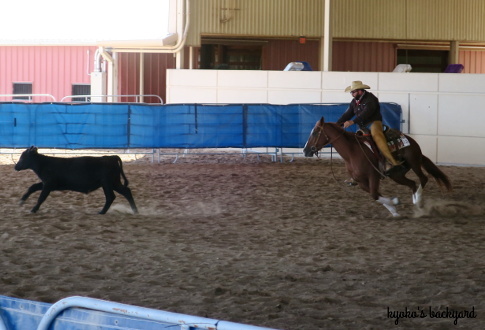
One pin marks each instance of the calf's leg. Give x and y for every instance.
(110, 197)
(126, 192)
(33, 188)
(43, 195)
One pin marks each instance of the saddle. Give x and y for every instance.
(396, 140)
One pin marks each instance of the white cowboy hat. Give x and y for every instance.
(357, 84)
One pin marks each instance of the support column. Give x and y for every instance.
(191, 57)
(142, 77)
(326, 42)
(454, 57)
(179, 59)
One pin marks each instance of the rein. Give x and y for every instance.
(330, 141)
(365, 154)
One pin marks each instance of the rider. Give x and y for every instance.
(366, 110)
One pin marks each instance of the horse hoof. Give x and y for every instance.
(395, 201)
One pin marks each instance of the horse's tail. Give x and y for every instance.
(437, 174)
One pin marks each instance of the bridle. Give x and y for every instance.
(321, 130)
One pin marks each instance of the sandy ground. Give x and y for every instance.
(283, 245)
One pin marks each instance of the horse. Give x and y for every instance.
(363, 164)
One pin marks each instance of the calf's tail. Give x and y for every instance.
(439, 176)
(122, 172)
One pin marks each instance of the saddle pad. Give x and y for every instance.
(399, 143)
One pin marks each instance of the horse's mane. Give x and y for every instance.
(339, 128)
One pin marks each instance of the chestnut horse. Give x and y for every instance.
(363, 165)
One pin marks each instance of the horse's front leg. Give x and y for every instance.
(389, 203)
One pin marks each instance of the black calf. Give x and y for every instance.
(81, 174)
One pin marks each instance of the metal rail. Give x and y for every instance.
(184, 321)
(30, 97)
(137, 96)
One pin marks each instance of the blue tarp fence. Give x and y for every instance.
(123, 125)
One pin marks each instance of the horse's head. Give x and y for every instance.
(317, 140)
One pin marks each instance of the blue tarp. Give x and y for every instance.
(121, 125)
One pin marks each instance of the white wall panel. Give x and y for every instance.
(461, 150)
(280, 96)
(242, 78)
(180, 94)
(196, 78)
(340, 80)
(409, 82)
(294, 79)
(462, 83)
(423, 114)
(335, 97)
(462, 115)
(242, 95)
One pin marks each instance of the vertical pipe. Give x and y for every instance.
(454, 52)
(191, 57)
(142, 77)
(114, 70)
(179, 60)
(326, 43)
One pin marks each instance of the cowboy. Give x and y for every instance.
(365, 110)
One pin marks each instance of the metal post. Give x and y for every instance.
(326, 43)
(142, 76)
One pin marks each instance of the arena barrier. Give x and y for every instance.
(188, 126)
(83, 313)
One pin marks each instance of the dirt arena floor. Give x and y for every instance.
(281, 245)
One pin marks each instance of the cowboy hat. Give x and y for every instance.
(357, 84)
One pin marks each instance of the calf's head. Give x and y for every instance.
(26, 159)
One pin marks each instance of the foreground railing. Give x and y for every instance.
(87, 313)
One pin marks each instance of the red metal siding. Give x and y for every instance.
(129, 75)
(473, 61)
(278, 53)
(50, 69)
(363, 56)
(155, 73)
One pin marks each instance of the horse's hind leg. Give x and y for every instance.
(418, 192)
(401, 179)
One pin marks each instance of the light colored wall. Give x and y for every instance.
(443, 112)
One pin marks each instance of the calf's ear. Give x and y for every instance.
(33, 149)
